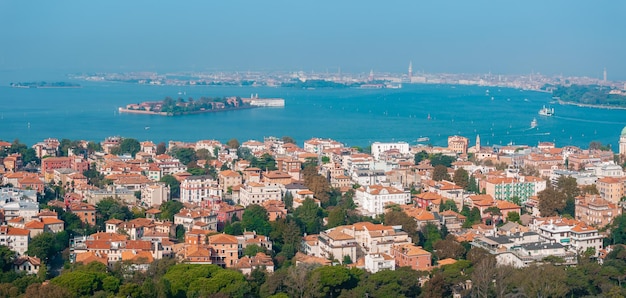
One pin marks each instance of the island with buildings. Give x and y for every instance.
(273, 217)
(181, 106)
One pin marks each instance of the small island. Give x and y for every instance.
(43, 84)
(181, 106)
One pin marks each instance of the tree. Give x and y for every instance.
(288, 200)
(42, 246)
(568, 186)
(473, 185)
(393, 218)
(461, 178)
(440, 172)
(185, 155)
(109, 208)
(429, 236)
(551, 202)
(419, 156)
(449, 248)
(310, 215)
(388, 283)
(329, 281)
(513, 217)
(288, 139)
(440, 159)
(169, 209)
(233, 144)
(7, 256)
(252, 249)
(255, 218)
(448, 205)
(173, 183)
(590, 190)
(130, 146)
(160, 148)
(38, 290)
(336, 217)
(318, 184)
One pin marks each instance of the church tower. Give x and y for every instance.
(477, 143)
(410, 69)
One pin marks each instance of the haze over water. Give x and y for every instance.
(356, 117)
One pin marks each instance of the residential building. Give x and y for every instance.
(259, 261)
(611, 189)
(378, 148)
(155, 194)
(86, 212)
(226, 248)
(375, 262)
(228, 178)
(26, 264)
(412, 256)
(373, 199)
(257, 193)
(595, 211)
(196, 189)
(15, 238)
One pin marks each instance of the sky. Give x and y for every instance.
(573, 38)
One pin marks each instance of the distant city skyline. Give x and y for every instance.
(573, 38)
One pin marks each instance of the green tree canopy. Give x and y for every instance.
(169, 209)
(131, 146)
(255, 218)
(551, 202)
(185, 155)
(461, 178)
(440, 172)
(310, 216)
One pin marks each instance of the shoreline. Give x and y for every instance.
(584, 105)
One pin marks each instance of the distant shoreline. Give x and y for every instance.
(584, 105)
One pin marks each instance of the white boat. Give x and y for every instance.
(533, 123)
(423, 139)
(546, 111)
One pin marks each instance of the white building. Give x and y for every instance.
(573, 234)
(196, 189)
(378, 148)
(257, 193)
(379, 261)
(372, 199)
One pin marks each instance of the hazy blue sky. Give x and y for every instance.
(552, 37)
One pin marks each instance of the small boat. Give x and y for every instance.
(428, 116)
(533, 123)
(147, 127)
(423, 139)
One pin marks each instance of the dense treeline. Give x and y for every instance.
(592, 94)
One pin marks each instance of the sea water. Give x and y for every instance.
(355, 117)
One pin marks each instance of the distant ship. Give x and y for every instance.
(533, 123)
(546, 111)
(423, 139)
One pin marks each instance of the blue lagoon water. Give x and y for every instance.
(352, 116)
